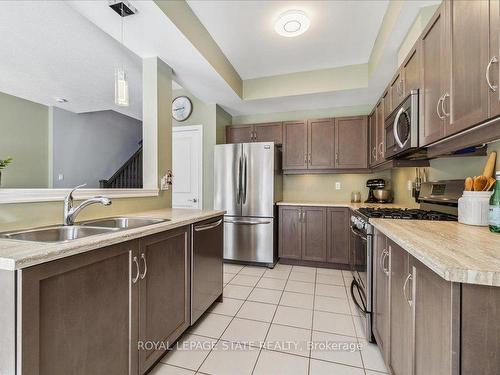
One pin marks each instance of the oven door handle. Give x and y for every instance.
(354, 283)
(357, 233)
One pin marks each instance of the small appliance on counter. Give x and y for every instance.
(377, 193)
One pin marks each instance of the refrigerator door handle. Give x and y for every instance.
(245, 176)
(239, 188)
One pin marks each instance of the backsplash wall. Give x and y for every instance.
(321, 187)
(441, 169)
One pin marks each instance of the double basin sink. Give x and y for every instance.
(64, 233)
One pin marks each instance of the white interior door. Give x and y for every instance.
(187, 158)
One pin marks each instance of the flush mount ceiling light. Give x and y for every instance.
(60, 100)
(292, 23)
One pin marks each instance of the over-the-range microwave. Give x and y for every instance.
(401, 128)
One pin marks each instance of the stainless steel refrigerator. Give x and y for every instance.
(247, 184)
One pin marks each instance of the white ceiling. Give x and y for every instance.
(341, 33)
(49, 50)
(74, 43)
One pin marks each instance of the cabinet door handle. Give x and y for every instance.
(305, 158)
(493, 60)
(437, 108)
(381, 261)
(408, 278)
(386, 269)
(143, 257)
(381, 148)
(374, 152)
(442, 105)
(134, 279)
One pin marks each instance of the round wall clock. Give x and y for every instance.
(181, 108)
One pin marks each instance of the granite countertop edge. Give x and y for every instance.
(16, 254)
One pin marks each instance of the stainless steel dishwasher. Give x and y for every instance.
(206, 265)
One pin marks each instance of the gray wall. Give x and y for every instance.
(89, 147)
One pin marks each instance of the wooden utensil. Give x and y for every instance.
(491, 183)
(480, 182)
(489, 168)
(469, 184)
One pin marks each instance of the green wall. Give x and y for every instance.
(24, 136)
(203, 114)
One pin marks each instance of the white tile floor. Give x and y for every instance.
(266, 325)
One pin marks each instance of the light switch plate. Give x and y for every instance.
(60, 177)
(338, 186)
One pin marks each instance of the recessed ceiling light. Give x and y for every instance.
(292, 23)
(60, 100)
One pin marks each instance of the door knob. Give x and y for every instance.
(194, 200)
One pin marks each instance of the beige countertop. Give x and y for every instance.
(16, 254)
(457, 252)
(354, 206)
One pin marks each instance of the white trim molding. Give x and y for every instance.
(56, 195)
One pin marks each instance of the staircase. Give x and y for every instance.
(129, 176)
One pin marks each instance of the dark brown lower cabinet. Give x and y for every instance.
(382, 294)
(337, 224)
(436, 321)
(314, 234)
(290, 232)
(108, 311)
(400, 355)
(420, 332)
(164, 293)
(79, 314)
(480, 345)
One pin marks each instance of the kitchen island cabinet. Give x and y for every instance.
(127, 302)
(107, 304)
(436, 326)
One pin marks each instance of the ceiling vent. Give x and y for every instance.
(123, 8)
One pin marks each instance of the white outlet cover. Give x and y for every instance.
(60, 177)
(338, 186)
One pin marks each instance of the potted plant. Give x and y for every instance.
(3, 164)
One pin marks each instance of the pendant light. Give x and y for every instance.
(121, 81)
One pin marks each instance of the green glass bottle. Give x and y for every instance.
(494, 214)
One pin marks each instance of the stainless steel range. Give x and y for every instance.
(438, 201)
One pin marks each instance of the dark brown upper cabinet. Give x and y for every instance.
(466, 100)
(411, 71)
(492, 70)
(351, 135)
(239, 134)
(321, 144)
(326, 144)
(266, 132)
(381, 115)
(372, 130)
(295, 154)
(433, 78)
(397, 89)
(337, 230)
(269, 132)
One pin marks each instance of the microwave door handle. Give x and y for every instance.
(395, 128)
